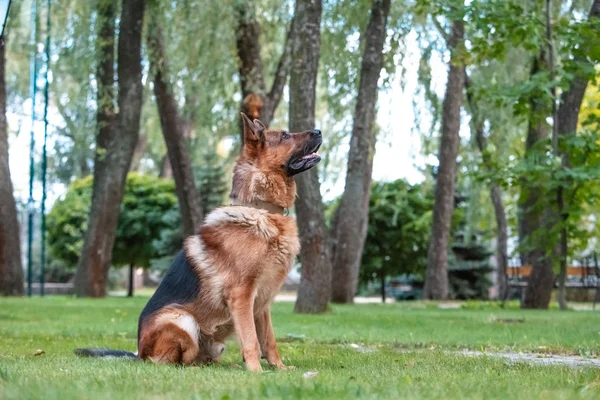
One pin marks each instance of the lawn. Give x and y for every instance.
(367, 351)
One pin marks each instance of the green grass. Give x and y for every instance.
(407, 357)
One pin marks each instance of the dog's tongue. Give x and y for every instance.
(309, 156)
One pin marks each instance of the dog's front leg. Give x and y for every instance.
(266, 337)
(241, 306)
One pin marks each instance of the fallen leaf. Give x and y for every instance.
(362, 349)
(310, 374)
(296, 336)
(39, 352)
(410, 363)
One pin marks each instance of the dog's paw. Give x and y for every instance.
(282, 367)
(254, 366)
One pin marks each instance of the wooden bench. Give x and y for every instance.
(584, 276)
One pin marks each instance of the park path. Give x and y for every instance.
(528, 358)
(537, 358)
(288, 297)
(509, 357)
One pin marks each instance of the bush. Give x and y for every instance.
(146, 213)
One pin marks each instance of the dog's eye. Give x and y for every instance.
(285, 136)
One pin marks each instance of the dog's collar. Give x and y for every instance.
(259, 205)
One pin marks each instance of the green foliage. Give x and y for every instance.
(168, 242)
(580, 182)
(398, 231)
(210, 181)
(68, 221)
(146, 211)
(144, 215)
(589, 115)
(468, 271)
(74, 43)
(502, 40)
(398, 239)
(502, 37)
(340, 58)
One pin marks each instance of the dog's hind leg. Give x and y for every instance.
(266, 338)
(171, 338)
(241, 306)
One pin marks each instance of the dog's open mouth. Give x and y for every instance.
(305, 160)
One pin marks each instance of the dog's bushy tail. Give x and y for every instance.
(105, 353)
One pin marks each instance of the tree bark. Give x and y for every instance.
(166, 171)
(382, 277)
(353, 214)
(115, 144)
(138, 153)
(174, 129)
(251, 66)
(131, 280)
(568, 115)
(436, 280)
(477, 125)
(502, 239)
(315, 284)
(11, 269)
(534, 214)
(248, 48)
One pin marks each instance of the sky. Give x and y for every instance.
(398, 150)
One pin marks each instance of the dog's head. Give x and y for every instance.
(269, 160)
(210, 350)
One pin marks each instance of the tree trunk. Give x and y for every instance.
(131, 282)
(564, 249)
(257, 103)
(173, 130)
(502, 239)
(382, 277)
(436, 280)
(166, 172)
(251, 65)
(315, 284)
(477, 125)
(115, 144)
(568, 115)
(147, 279)
(138, 153)
(534, 215)
(248, 48)
(353, 214)
(11, 269)
(281, 76)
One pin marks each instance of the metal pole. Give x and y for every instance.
(4, 24)
(45, 156)
(33, 91)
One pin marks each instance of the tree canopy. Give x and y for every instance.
(145, 215)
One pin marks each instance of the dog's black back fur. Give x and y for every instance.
(179, 286)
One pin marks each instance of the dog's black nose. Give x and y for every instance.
(316, 132)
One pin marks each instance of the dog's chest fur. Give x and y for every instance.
(240, 247)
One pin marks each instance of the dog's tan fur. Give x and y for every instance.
(242, 255)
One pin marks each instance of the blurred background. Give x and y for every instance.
(461, 142)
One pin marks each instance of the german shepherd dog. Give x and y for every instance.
(225, 278)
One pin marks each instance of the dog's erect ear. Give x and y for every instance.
(253, 131)
(259, 127)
